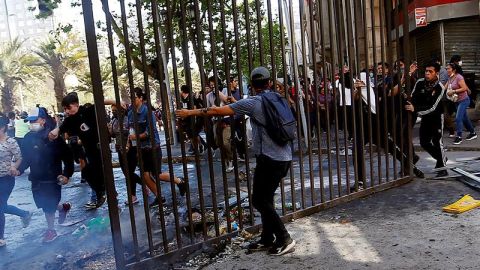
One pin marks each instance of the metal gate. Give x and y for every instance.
(314, 49)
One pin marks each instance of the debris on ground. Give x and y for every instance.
(465, 204)
(94, 225)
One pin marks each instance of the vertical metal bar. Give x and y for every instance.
(123, 156)
(270, 33)
(217, 102)
(339, 21)
(138, 6)
(100, 114)
(232, 123)
(258, 7)
(285, 85)
(299, 92)
(136, 127)
(349, 56)
(250, 68)
(397, 42)
(240, 88)
(313, 42)
(200, 60)
(369, 98)
(188, 79)
(163, 90)
(377, 104)
(383, 14)
(406, 49)
(308, 99)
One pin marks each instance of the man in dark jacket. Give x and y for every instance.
(45, 159)
(81, 122)
(426, 102)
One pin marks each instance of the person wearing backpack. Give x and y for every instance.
(273, 128)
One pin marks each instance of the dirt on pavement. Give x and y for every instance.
(402, 228)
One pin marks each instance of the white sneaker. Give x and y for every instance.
(229, 167)
(3, 242)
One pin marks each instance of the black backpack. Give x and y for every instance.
(280, 122)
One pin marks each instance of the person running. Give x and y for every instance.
(81, 121)
(426, 99)
(45, 159)
(127, 152)
(10, 158)
(457, 89)
(273, 162)
(142, 140)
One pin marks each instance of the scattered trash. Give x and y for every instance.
(288, 206)
(466, 203)
(94, 225)
(232, 202)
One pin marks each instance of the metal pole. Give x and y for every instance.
(100, 114)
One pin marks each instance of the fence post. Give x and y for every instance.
(100, 114)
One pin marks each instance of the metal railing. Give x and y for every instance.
(296, 41)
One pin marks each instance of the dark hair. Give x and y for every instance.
(4, 121)
(69, 99)
(455, 58)
(383, 64)
(261, 84)
(436, 59)
(435, 65)
(11, 115)
(139, 93)
(455, 67)
(184, 89)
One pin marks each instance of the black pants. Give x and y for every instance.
(94, 172)
(394, 147)
(431, 132)
(266, 180)
(239, 138)
(131, 166)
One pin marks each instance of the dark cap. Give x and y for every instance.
(260, 74)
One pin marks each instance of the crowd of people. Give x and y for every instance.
(376, 98)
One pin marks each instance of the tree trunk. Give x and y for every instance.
(8, 100)
(124, 94)
(59, 88)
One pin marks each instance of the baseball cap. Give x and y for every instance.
(259, 74)
(35, 113)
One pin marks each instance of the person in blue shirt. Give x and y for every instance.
(138, 111)
(273, 162)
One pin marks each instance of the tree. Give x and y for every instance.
(59, 54)
(16, 66)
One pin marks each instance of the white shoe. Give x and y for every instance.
(229, 167)
(3, 243)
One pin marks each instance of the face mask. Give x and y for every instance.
(35, 127)
(460, 63)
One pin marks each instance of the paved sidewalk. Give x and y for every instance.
(402, 228)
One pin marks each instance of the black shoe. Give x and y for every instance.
(259, 246)
(418, 173)
(155, 202)
(416, 158)
(457, 141)
(472, 136)
(442, 173)
(100, 201)
(278, 250)
(182, 187)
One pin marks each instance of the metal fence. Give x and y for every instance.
(306, 40)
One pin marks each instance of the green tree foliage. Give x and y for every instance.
(61, 54)
(16, 66)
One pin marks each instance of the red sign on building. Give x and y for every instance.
(421, 17)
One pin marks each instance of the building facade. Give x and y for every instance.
(17, 19)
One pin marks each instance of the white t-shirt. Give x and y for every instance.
(348, 94)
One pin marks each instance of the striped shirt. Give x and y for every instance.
(262, 143)
(9, 152)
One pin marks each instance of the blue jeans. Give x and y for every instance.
(6, 186)
(462, 117)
